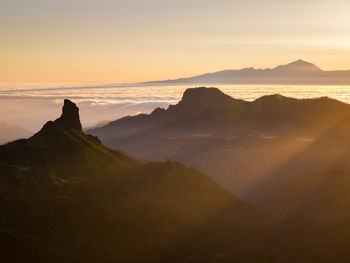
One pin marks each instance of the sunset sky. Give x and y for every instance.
(129, 41)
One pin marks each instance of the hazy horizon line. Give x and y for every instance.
(104, 84)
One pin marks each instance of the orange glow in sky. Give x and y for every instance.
(130, 41)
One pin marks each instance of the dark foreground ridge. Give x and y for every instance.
(64, 197)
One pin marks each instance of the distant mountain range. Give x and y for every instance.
(248, 147)
(298, 72)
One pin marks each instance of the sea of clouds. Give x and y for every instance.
(31, 106)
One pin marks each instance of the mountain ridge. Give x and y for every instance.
(214, 132)
(296, 72)
(199, 101)
(65, 197)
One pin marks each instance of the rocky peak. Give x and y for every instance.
(204, 96)
(299, 65)
(69, 120)
(70, 115)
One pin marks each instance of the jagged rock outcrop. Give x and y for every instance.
(59, 142)
(69, 120)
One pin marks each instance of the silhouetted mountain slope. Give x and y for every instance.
(248, 147)
(208, 109)
(322, 194)
(64, 197)
(322, 197)
(10, 132)
(297, 72)
(61, 142)
(329, 151)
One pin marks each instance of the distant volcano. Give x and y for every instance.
(299, 65)
(297, 72)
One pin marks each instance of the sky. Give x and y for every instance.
(105, 41)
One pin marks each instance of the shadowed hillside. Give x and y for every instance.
(248, 147)
(322, 197)
(321, 191)
(64, 197)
